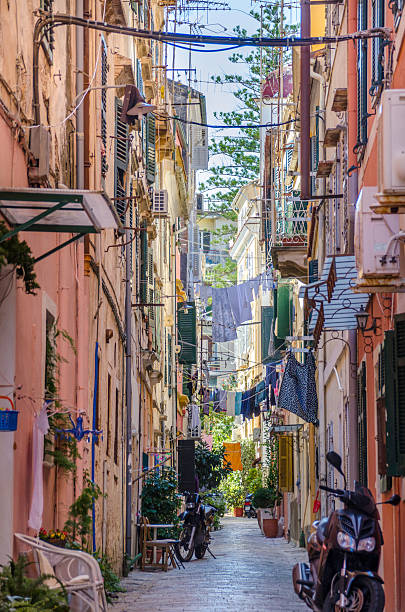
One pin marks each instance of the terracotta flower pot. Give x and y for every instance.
(270, 527)
(238, 512)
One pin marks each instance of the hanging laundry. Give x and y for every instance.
(261, 394)
(298, 389)
(194, 422)
(233, 455)
(40, 429)
(206, 401)
(230, 403)
(238, 403)
(223, 323)
(221, 400)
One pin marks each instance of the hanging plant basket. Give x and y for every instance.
(8, 418)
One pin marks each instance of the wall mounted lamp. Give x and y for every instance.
(362, 318)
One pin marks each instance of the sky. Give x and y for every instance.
(221, 21)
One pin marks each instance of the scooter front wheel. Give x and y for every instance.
(184, 548)
(367, 595)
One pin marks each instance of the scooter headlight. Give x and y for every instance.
(366, 544)
(346, 541)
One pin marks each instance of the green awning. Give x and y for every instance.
(56, 210)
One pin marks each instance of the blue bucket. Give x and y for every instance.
(8, 420)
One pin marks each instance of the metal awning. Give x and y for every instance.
(286, 428)
(57, 210)
(338, 299)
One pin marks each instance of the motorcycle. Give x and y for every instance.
(248, 508)
(195, 535)
(344, 554)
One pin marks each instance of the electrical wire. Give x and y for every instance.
(223, 127)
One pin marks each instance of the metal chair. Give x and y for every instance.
(78, 571)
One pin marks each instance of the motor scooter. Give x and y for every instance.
(248, 508)
(344, 554)
(195, 535)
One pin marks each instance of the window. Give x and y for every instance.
(108, 415)
(121, 156)
(394, 364)
(285, 463)
(362, 78)
(378, 45)
(104, 70)
(48, 37)
(362, 422)
(116, 428)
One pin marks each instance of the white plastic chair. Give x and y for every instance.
(78, 571)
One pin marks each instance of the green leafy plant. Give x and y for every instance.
(112, 582)
(79, 523)
(160, 500)
(215, 498)
(16, 252)
(266, 498)
(19, 592)
(64, 452)
(210, 466)
(220, 426)
(232, 489)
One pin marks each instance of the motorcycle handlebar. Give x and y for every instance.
(337, 492)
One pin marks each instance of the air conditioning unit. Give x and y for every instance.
(199, 150)
(160, 203)
(377, 251)
(391, 151)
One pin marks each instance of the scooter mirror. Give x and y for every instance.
(335, 460)
(394, 500)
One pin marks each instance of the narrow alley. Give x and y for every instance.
(250, 572)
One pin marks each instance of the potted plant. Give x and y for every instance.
(232, 488)
(265, 500)
(54, 536)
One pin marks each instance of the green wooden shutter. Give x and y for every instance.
(121, 156)
(313, 271)
(362, 422)
(143, 293)
(362, 76)
(150, 149)
(267, 321)
(187, 333)
(394, 347)
(284, 310)
(285, 464)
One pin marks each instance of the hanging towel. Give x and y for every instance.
(298, 389)
(40, 429)
(260, 393)
(222, 401)
(238, 403)
(206, 401)
(223, 324)
(230, 403)
(233, 455)
(246, 298)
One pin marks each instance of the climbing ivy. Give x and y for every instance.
(16, 252)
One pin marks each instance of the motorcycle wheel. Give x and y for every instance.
(367, 595)
(200, 551)
(183, 550)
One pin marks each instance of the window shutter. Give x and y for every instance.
(284, 311)
(313, 269)
(362, 76)
(285, 464)
(362, 423)
(121, 155)
(144, 265)
(266, 325)
(395, 397)
(187, 333)
(150, 149)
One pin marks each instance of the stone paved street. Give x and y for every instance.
(251, 573)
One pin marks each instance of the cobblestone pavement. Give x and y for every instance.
(251, 573)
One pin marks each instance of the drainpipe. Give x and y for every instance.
(128, 402)
(305, 102)
(80, 110)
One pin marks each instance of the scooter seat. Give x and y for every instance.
(321, 530)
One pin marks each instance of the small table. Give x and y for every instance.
(155, 528)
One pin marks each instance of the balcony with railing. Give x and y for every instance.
(288, 237)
